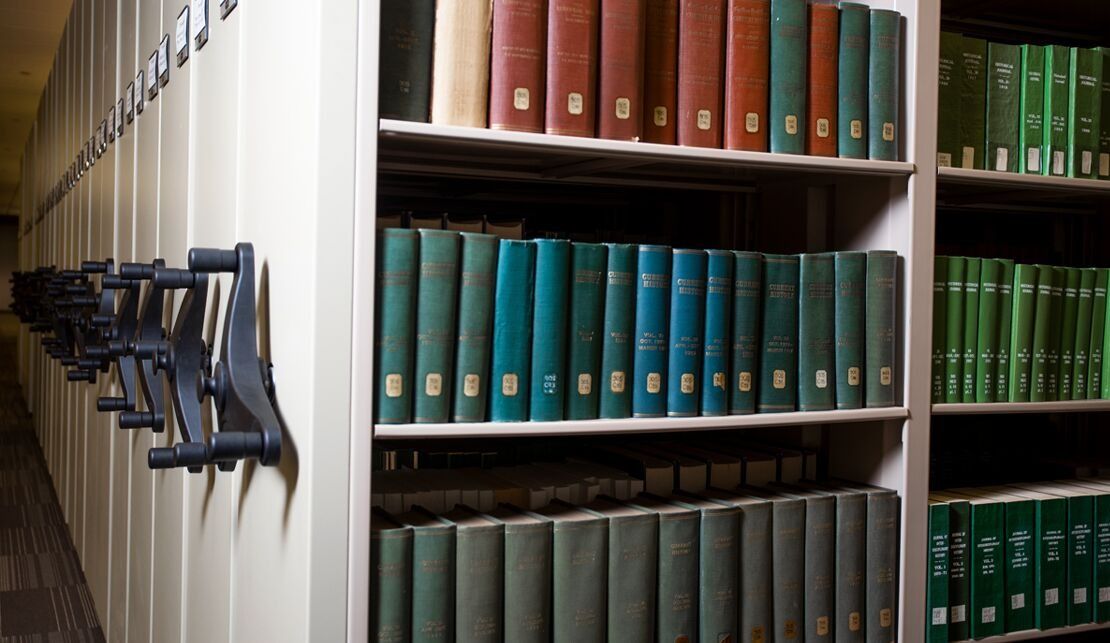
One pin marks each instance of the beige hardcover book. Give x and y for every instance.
(725, 469)
(657, 474)
(425, 221)
(505, 228)
(460, 62)
(463, 223)
(692, 473)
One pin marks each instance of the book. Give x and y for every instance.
(478, 264)
(955, 300)
(391, 580)
(436, 294)
(701, 33)
(460, 62)
(1084, 103)
(851, 561)
(959, 566)
(1059, 282)
(1021, 335)
(511, 362)
(973, 103)
(816, 333)
(1042, 332)
(788, 562)
(633, 543)
(615, 398)
(884, 61)
(850, 270)
(882, 563)
(518, 59)
(572, 42)
(687, 325)
(653, 296)
(852, 69)
(1020, 556)
(621, 73)
(1080, 353)
(1098, 335)
(987, 339)
(718, 567)
(746, 300)
(479, 574)
(406, 59)
(971, 327)
(587, 302)
(527, 557)
(1003, 106)
(777, 388)
(821, 88)
(936, 591)
(1099, 489)
(549, 326)
(1057, 82)
(1050, 548)
(820, 562)
(1104, 123)
(660, 71)
(717, 336)
(788, 76)
(949, 78)
(747, 74)
(678, 561)
(1005, 327)
(580, 554)
(879, 321)
(1031, 132)
(398, 258)
(433, 575)
(940, 298)
(987, 559)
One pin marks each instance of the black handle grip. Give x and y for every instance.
(101, 320)
(83, 300)
(89, 363)
(234, 445)
(111, 404)
(97, 351)
(114, 282)
(212, 260)
(78, 376)
(69, 360)
(76, 289)
(136, 270)
(94, 267)
(173, 278)
(135, 419)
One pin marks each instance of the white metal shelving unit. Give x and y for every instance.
(1000, 408)
(1030, 635)
(1059, 185)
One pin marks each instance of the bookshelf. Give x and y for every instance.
(995, 408)
(1031, 635)
(1045, 186)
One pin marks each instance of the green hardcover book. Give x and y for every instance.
(479, 263)
(1032, 109)
(850, 280)
(1003, 106)
(1021, 332)
(616, 349)
(879, 319)
(404, 79)
(1084, 103)
(1042, 332)
(1056, 65)
(549, 326)
(527, 575)
(820, 561)
(971, 328)
(789, 36)
(433, 575)
(851, 562)
(973, 103)
(436, 293)
(719, 566)
(1059, 280)
(1104, 122)
(1005, 325)
(633, 543)
(987, 339)
(788, 563)
(940, 298)
(948, 99)
(1081, 358)
(587, 304)
(884, 62)
(882, 565)
(816, 332)
(936, 592)
(580, 555)
(855, 21)
(398, 254)
(987, 567)
(1100, 490)
(778, 364)
(1068, 324)
(955, 300)
(1098, 334)
(479, 575)
(1050, 543)
(677, 592)
(1018, 573)
(746, 302)
(1080, 549)
(391, 578)
(510, 365)
(959, 568)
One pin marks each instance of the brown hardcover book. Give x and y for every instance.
(571, 67)
(621, 83)
(701, 35)
(747, 71)
(660, 70)
(516, 86)
(821, 96)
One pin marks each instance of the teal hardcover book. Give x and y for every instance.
(479, 265)
(396, 309)
(527, 616)
(436, 295)
(549, 328)
(880, 371)
(687, 325)
(653, 297)
(855, 39)
(789, 38)
(479, 575)
(718, 311)
(512, 331)
(746, 301)
(587, 302)
(615, 397)
(816, 331)
(433, 576)
(778, 369)
(884, 65)
(390, 578)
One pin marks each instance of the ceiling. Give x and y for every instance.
(29, 35)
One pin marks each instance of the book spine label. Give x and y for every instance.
(821, 98)
(986, 351)
(1098, 334)
(820, 569)
(1081, 355)
(677, 605)
(653, 296)
(460, 62)
(436, 295)
(1104, 123)
(1032, 109)
(1021, 332)
(718, 311)
(879, 373)
(528, 583)
(587, 301)
(987, 588)
(973, 103)
(851, 567)
(746, 297)
(571, 67)
(936, 592)
(1056, 322)
(1056, 66)
(1102, 557)
(756, 555)
(1067, 333)
(404, 80)
(884, 72)
(788, 76)
(1051, 573)
(701, 33)
(778, 364)
(1042, 330)
(621, 81)
(687, 324)
(971, 327)
(1084, 102)
(398, 256)
(660, 71)
(852, 70)
(1020, 557)
(517, 61)
(788, 563)
(433, 584)
(580, 555)
(478, 265)
(479, 581)
(719, 561)
(1003, 106)
(1005, 326)
(747, 69)
(633, 544)
(391, 585)
(959, 567)
(850, 277)
(511, 365)
(882, 567)
(616, 350)
(940, 292)
(816, 332)
(954, 328)
(549, 338)
(1080, 559)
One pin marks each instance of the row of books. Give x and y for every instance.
(472, 328)
(1024, 108)
(781, 75)
(1018, 557)
(1006, 332)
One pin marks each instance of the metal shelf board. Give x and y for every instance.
(999, 408)
(1029, 635)
(1012, 181)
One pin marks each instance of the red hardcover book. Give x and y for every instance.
(660, 70)
(701, 35)
(516, 84)
(571, 67)
(747, 72)
(621, 76)
(821, 96)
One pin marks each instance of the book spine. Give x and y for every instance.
(718, 311)
(436, 294)
(1080, 559)
(959, 568)
(517, 61)
(478, 266)
(1068, 333)
(390, 585)
(1042, 332)
(1018, 573)
(1081, 355)
(816, 333)
(1098, 334)
(778, 364)
(821, 97)
(788, 76)
(1051, 573)
(460, 62)
(1084, 102)
(433, 584)
(621, 77)
(528, 583)
(788, 563)
(971, 327)
(1032, 109)
(406, 59)
(949, 75)
(879, 319)
(940, 292)
(1003, 106)
(850, 270)
(398, 256)
(571, 67)
(1056, 330)
(851, 567)
(719, 566)
(1005, 327)
(852, 69)
(884, 71)
(660, 71)
(954, 328)
(677, 606)
(756, 555)
(987, 551)
(987, 339)
(936, 592)
(747, 72)
(1021, 333)
(580, 554)
(633, 544)
(549, 339)
(701, 33)
(512, 331)
(479, 581)
(653, 285)
(1104, 123)
(820, 569)
(882, 567)
(687, 323)
(746, 298)
(973, 103)
(616, 350)
(1057, 74)
(1101, 591)
(587, 301)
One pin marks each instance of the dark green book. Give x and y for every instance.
(479, 574)
(1021, 332)
(955, 300)
(719, 566)
(1020, 556)
(851, 561)
(959, 567)
(777, 387)
(1003, 106)
(549, 330)
(1059, 280)
(677, 592)
(390, 578)
(510, 365)
(1005, 325)
(986, 342)
(1050, 544)
(1068, 324)
(788, 562)
(1032, 109)
(527, 575)
(746, 303)
(1104, 123)
(717, 335)
(405, 70)
(478, 269)
(1098, 335)
(850, 279)
(433, 575)
(398, 254)
(852, 66)
(883, 511)
(1080, 549)
(616, 347)
(940, 298)
(971, 327)
(587, 304)
(816, 332)
(1042, 333)
(789, 40)
(936, 592)
(1084, 103)
(1100, 490)
(580, 555)
(633, 552)
(436, 295)
(973, 103)
(884, 62)
(1057, 61)
(820, 561)
(987, 567)
(948, 99)
(879, 319)
(1081, 353)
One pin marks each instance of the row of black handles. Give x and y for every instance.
(89, 331)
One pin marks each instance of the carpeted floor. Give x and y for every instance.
(43, 594)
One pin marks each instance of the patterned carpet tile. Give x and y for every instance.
(51, 569)
(46, 609)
